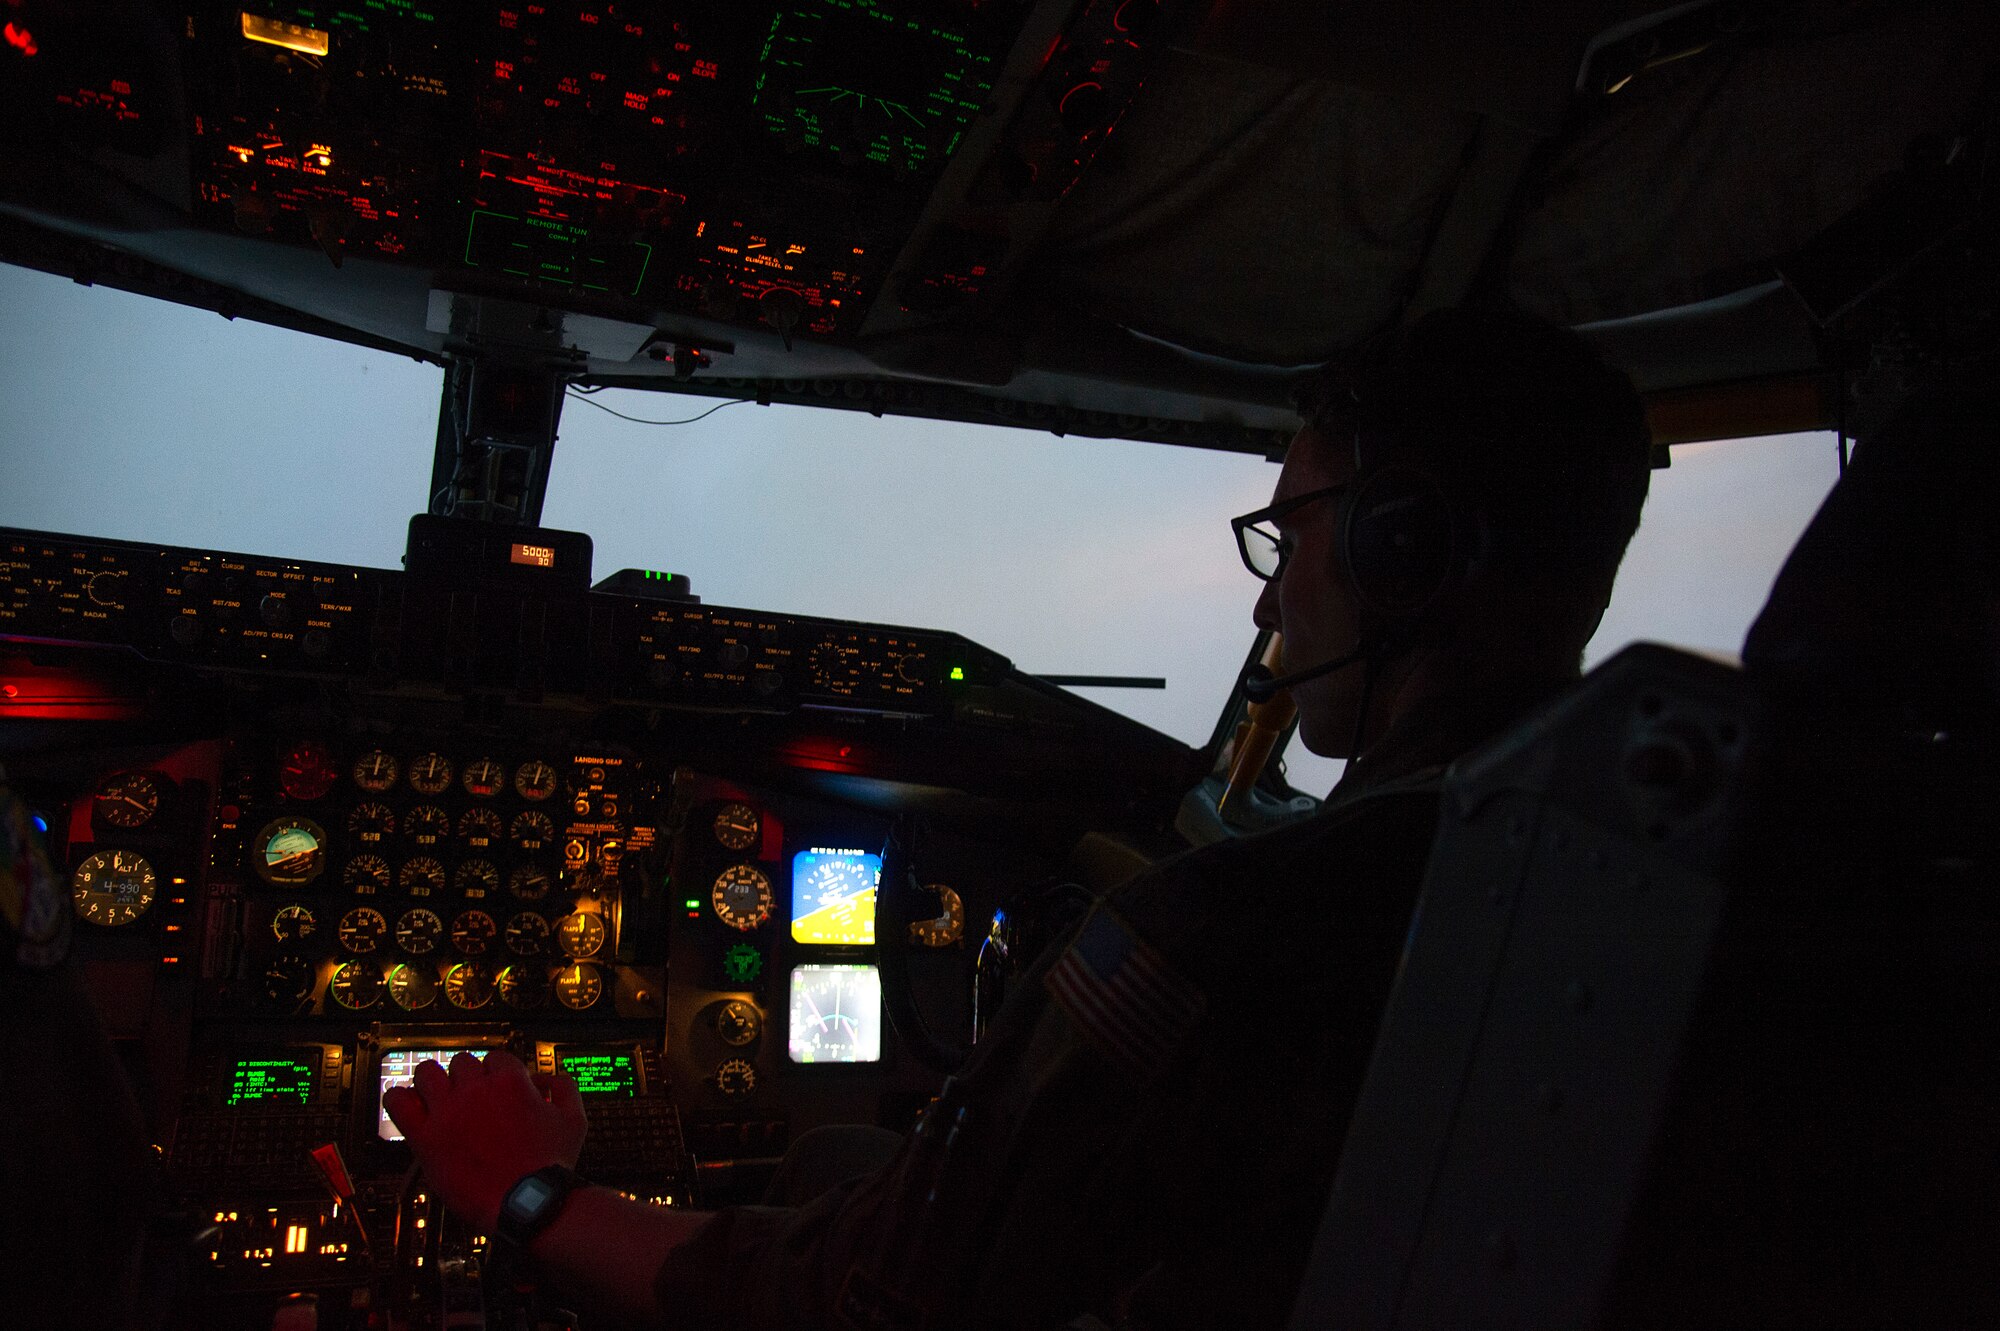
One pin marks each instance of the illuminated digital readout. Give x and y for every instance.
(535, 556)
(833, 896)
(399, 1068)
(601, 1073)
(255, 1080)
(836, 1015)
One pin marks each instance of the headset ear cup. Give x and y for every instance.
(1400, 541)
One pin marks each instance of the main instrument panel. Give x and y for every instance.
(322, 823)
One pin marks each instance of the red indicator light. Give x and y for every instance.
(22, 40)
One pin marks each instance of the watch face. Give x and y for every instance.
(528, 1198)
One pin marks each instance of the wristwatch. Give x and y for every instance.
(530, 1207)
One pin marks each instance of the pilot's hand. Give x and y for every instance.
(484, 1126)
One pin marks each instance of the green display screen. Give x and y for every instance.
(254, 1080)
(600, 1073)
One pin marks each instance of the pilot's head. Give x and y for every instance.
(1478, 476)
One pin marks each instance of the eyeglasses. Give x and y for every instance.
(1258, 540)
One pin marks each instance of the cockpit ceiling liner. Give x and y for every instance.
(1248, 213)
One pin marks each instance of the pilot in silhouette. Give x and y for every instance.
(1147, 1135)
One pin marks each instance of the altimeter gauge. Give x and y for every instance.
(113, 887)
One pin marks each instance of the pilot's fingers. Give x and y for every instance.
(465, 1068)
(431, 1083)
(563, 1094)
(406, 1110)
(501, 1062)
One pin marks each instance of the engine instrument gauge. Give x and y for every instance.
(484, 778)
(477, 878)
(366, 875)
(427, 824)
(534, 780)
(375, 771)
(469, 985)
(481, 828)
(129, 799)
(738, 1022)
(288, 982)
(530, 882)
(289, 852)
(418, 931)
(306, 770)
(527, 935)
(371, 822)
(413, 986)
(736, 1078)
(524, 986)
(430, 774)
(113, 887)
(580, 934)
(294, 924)
(737, 826)
(356, 985)
(421, 876)
(948, 926)
(578, 986)
(362, 930)
(472, 932)
(741, 897)
(532, 832)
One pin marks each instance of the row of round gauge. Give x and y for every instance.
(420, 931)
(307, 771)
(413, 986)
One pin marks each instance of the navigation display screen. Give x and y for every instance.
(836, 1015)
(399, 1068)
(601, 1071)
(833, 896)
(285, 1077)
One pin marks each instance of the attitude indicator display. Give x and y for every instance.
(833, 896)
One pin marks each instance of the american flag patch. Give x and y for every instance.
(1122, 994)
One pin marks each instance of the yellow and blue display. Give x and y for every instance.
(833, 896)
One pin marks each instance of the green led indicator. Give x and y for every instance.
(693, 904)
(958, 672)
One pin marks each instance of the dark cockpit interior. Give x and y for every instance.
(744, 874)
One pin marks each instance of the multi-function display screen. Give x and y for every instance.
(282, 1077)
(836, 1015)
(601, 1071)
(399, 1068)
(833, 896)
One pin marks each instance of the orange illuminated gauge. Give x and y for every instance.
(736, 1078)
(294, 924)
(289, 852)
(306, 770)
(413, 985)
(949, 924)
(527, 935)
(418, 931)
(356, 985)
(480, 828)
(477, 878)
(472, 932)
(524, 986)
(427, 824)
(578, 986)
(738, 1022)
(375, 771)
(580, 934)
(532, 832)
(362, 930)
(113, 887)
(534, 780)
(530, 882)
(288, 982)
(737, 826)
(370, 822)
(421, 877)
(430, 774)
(484, 778)
(469, 985)
(129, 799)
(742, 897)
(366, 875)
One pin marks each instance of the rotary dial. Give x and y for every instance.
(527, 935)
(738, 1022)
(422, 876)
(427, 824)
(366, 875)
(356, 985)
(371, 822)
(534, 780)
(362, 930)
(736, 1078)
(413, 986)
(430, 774)
(484, 778)
(129, 799)
(532, 832)
(418, 931)
(529, 882)
(294, 924)
(288, 982)
(472, 932)
(375, 771)
(742, 897)
(469, 985)
(737, 826)
(481, 828)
